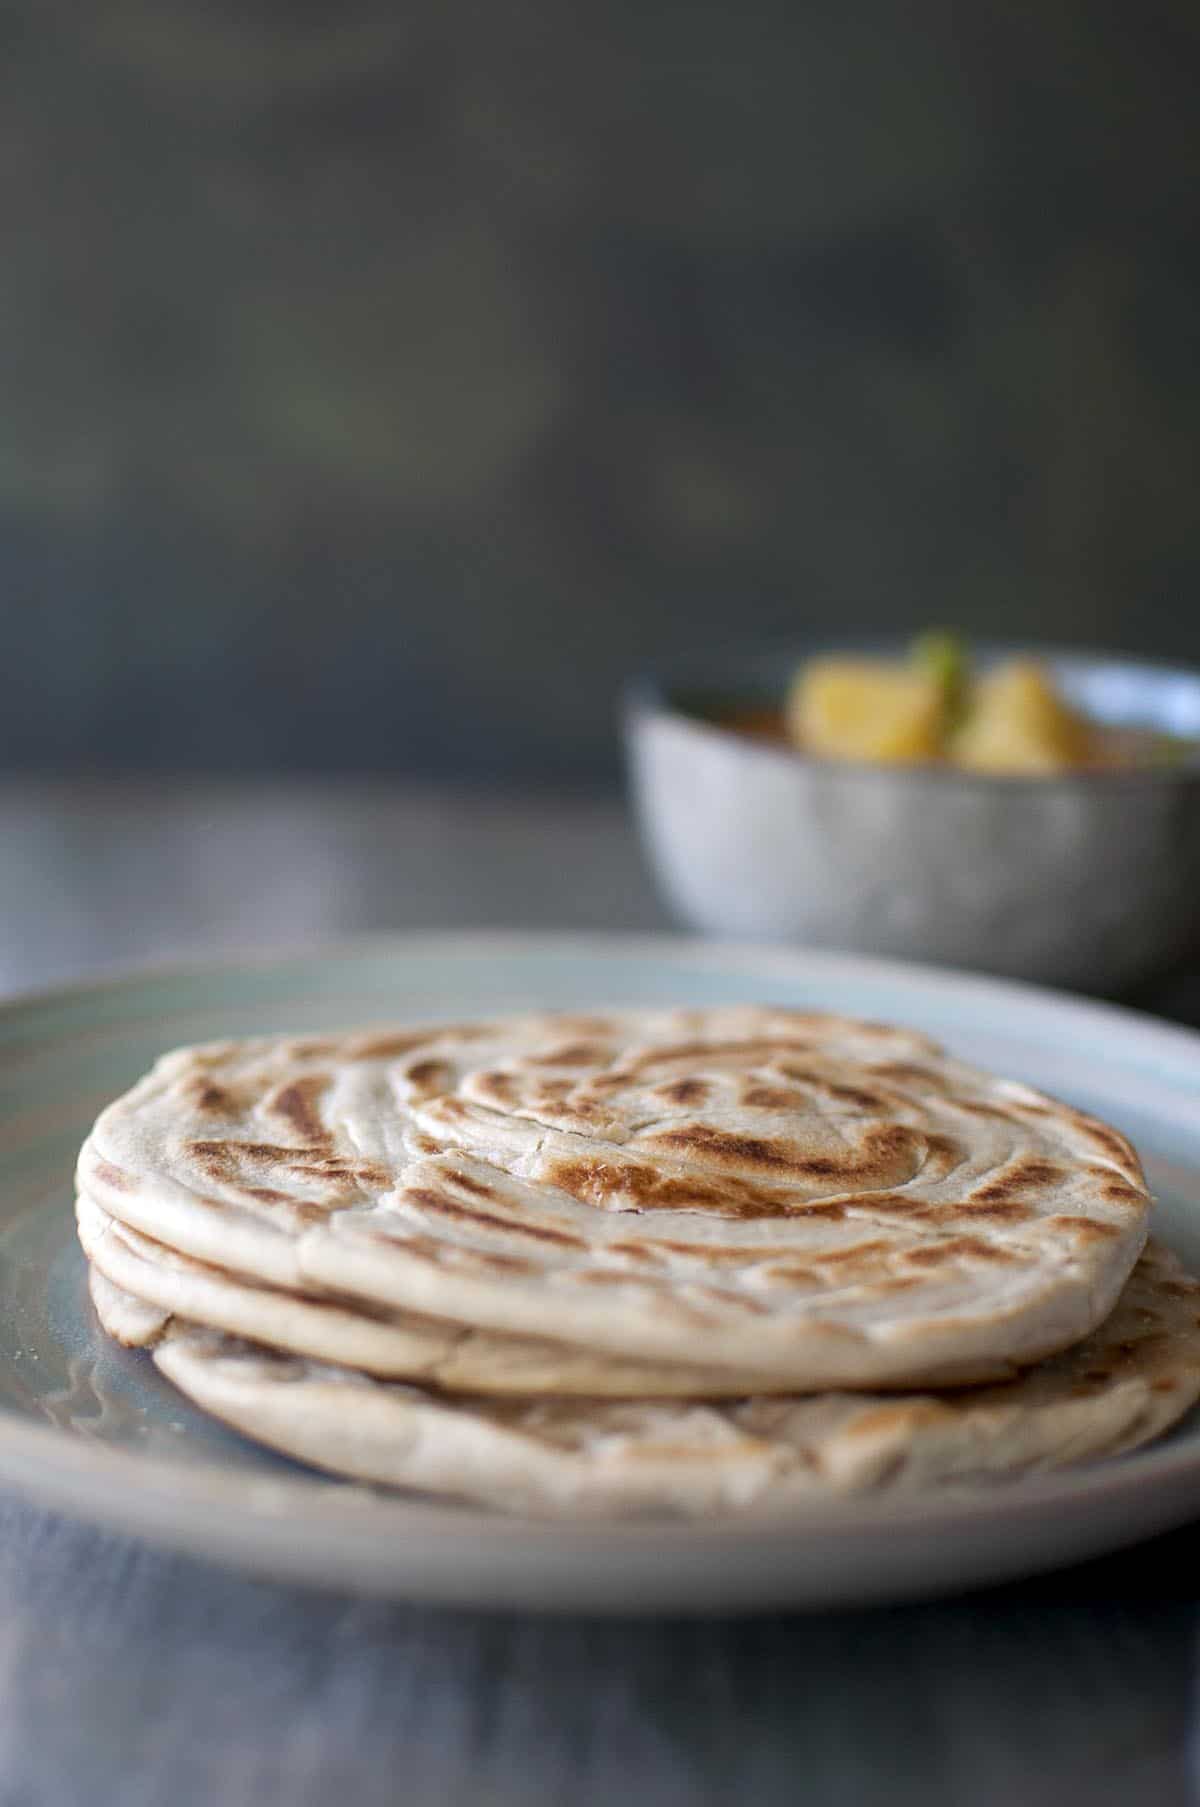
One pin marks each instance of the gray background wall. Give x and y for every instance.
(380, 382)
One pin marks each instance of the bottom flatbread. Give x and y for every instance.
(1123, 1385)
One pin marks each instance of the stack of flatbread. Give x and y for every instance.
(686, 1260)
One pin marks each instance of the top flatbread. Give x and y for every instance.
(834, 1203)
(394, 1345)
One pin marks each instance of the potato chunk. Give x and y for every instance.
(866, 709)
(1017, 722)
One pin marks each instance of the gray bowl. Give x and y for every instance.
(1089, 880)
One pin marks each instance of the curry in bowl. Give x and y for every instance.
(934, 707)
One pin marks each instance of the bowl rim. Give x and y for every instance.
(647, 693)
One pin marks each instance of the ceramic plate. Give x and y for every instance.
(93, 1430)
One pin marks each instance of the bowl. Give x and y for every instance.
(1087, 879)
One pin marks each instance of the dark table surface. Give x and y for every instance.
(134, 1677)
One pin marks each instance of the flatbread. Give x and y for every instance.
(1125, 1384)
(828, 1202)
(389, 1344)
